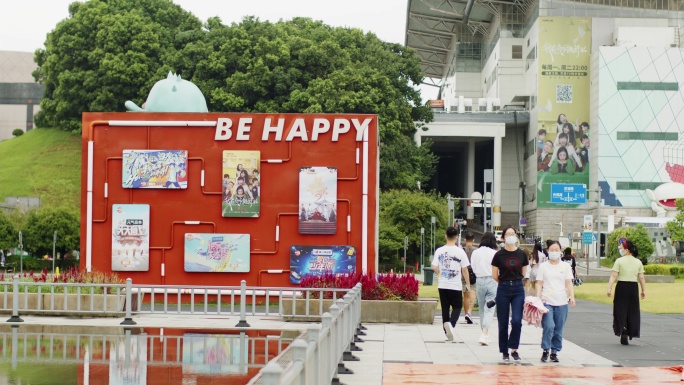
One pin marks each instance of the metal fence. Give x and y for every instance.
(316, 360)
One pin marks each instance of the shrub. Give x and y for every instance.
(390, 287)
(71, 275)
(18, 132)
(674, 270)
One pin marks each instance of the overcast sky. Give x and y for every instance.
(25, 23)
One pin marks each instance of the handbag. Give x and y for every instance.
(471, 274)
(577, 281)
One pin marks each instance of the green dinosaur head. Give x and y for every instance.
(172, 94)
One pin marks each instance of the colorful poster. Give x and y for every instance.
(563, 104)
(214, 354)
(130, 237)
(317, 260)
(241, 184)
(217, 253)
(317, 200)
(155, 169)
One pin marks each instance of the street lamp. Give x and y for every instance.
(405, 247)
(54, 241)
(598, 228)
(21, 257)
(432, 234)
(422, 241)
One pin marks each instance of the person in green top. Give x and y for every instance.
(627, 270)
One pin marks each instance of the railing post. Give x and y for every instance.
(299, 348)
(129, 298)
(243, 303)
(271, 373)
(313, 332)
(350, 326)
(15, 302)
(341, 332)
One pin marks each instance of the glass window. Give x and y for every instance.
(516, 52)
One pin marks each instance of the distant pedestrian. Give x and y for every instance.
(554, 287)
(536, 258)
(627, 270)
(509, 266)
(570, 260)
(481, 262)
(470, 295)
(450, 263)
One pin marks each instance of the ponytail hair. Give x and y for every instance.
(629, 245)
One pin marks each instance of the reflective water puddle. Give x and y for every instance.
(61, 355)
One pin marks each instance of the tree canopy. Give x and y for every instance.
(110, 51)
(40, 228)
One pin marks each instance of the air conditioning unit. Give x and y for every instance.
(577, 235)
(482, 104)
(468, 105)
(496, 104)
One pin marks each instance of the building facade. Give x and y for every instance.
(20, 95)
(596, 91)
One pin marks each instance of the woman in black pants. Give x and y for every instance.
(627, 271)
(508, 269)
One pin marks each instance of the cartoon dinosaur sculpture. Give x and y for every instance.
(663, 198)
(172, 94)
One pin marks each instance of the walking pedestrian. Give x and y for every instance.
(508, 269)
(450, 263)
(627, 270)
(469, 295)
(481, 262)
(554, 287)
(536, 258)
(569, 258)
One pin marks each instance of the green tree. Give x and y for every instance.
(106, 52)
(40, 228)
(9, 235)
(403, 213)
(676, 225)
(109, 51)
(638, 235)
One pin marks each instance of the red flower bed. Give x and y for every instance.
(389, 287)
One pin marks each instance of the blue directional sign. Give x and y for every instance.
(574, 193)
(587, 238)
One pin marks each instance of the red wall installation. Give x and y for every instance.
(287, 142)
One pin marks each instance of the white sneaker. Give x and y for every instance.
(449, 333)
(484, 340)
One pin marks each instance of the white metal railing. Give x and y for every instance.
(317, 360)
(314, 361)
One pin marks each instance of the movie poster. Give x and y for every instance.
(217, 253)
(215, 354)
(563, 104)
(155, 169)
(128, 360)
(130, 237)
(317, 200)
(241, 185)
(317, 260)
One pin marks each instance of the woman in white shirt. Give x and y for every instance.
(554, 286)
(481, 262)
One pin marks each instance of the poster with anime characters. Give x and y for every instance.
(155, 169)
(241, 184)
(217, 253)
(130, 237)
(318, 260)
(318, 200)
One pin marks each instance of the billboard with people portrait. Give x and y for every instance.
(563, 142)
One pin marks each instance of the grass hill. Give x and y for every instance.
(44, 163)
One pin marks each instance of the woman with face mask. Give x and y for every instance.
(554, 287)
(627, 270)
(509, 266)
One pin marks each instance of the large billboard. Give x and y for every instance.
(563, 144)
